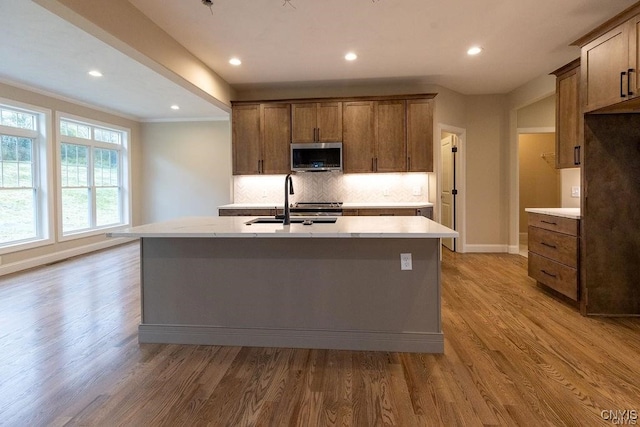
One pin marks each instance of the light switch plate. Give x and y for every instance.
(575, 191)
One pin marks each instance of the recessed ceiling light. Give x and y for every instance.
(350, 56)
(175, 107)
(474, 50)
(235, 61)
(95, 73)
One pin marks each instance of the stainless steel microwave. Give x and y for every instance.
(316, 157)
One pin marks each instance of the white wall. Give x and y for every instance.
(186, 169)
(487, 177)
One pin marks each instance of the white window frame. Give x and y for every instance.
(125, 174)
(43, 175)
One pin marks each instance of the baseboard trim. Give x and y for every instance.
(26, 264)
(487, 249)
(413, 342)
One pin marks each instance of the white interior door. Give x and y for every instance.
(447, 195)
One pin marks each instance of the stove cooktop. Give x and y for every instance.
(317, 205)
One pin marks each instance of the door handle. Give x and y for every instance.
(622, 94)
(629, 71)
(576, 155)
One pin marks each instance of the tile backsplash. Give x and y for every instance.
(332, 186)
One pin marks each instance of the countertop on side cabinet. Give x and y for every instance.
(572, 213)
(409, 227)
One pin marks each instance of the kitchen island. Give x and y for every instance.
(220, 281)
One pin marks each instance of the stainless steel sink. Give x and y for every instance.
(295, 220)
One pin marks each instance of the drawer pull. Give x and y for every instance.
(548, 222)
(549, 245)
(548, 274)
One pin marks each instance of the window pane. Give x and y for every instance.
(18, 119)
(107, 206)
(75, 209)
(105, 167)
(73, 165)
(105, 135)
(9, 174)
(25, 175)
(17, 220)
(75, 129)
(9, 148)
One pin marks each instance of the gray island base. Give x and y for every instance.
(216, 283)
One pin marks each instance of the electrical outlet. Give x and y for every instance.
(264, 192)
(575, 191)
(405, 262)
(386, 191)
(417, 190)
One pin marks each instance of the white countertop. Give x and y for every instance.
(345, 205)
(573, 213)
(417, 227)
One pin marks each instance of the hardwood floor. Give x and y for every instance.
(514, 355)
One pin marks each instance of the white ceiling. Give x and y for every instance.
(303, 41)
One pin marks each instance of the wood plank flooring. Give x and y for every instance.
(514, 355)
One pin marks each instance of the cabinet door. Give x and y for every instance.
(604, 61)
(420, 135)
(246, 139)
(276, 134)
(568, 122)
(391, 147)
(359, 137)
(329, 122)
(633, 26)
(303, 122)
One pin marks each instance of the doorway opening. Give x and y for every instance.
(538, 179)
(450, 211)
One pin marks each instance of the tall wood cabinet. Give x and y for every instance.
(569, 118)
(261, 135)
(610, 235)
(316, 122)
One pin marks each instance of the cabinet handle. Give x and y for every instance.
(622, 94)
(629, 71)
(258, 166)
(373, 167)
(548, 222)
(576, 155)
(376, 165)
(548, 274)
(549, 245)
(409, 165)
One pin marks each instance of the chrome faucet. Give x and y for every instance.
(287, 211)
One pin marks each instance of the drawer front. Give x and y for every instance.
(246, 212)
(554, 275)
(387, 212)
(559, 247)
(554, 223)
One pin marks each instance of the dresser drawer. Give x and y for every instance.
(387, 212)
(557, 276)
(559, 247)
(554, 223)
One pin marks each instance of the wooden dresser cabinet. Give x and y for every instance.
(554, 253)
